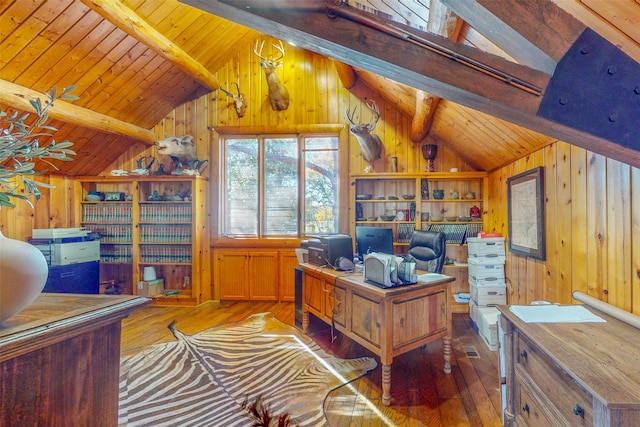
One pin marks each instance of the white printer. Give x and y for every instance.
(64, 246)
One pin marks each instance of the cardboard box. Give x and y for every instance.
(488, 249)
(484, 273)
(151, 288)
(488, 295)
(488, 318)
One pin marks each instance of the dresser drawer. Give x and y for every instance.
(527, 410)
(566, 398)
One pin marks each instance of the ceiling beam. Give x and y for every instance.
(128, 21)
(503, 22)
(443, 23)
(388, 53)
(18, 97)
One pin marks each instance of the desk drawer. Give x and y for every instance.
(527, 408)
(571, 401)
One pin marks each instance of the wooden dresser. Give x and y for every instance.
(60, 361)
(389, 322)
(571, 374)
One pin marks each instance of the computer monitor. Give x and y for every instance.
(373, 239)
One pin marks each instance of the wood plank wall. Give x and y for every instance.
(593, 221)
(592, 229)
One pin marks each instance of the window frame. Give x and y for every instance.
(218, 204)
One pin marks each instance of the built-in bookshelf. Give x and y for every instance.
(452, 202)
(157, 222)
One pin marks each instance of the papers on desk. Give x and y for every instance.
(554, 314)
(431, 277)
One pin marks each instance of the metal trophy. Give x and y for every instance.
(429, 152)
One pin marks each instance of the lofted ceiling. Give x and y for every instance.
(134, 61)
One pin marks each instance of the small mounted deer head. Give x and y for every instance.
(370, 144)
(239, 100)
(278, 93)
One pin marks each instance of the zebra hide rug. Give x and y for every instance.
(203, 379)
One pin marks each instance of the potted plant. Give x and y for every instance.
(23, 268)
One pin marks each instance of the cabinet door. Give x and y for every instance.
(232, 275)
(288, 261)
(263, 276)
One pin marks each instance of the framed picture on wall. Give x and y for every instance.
(525, 195)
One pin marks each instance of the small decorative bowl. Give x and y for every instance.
(408, 196)
(452, 218)
(393, 197)
(436, 218)
(363, 196)
(372, 218)
(464, 218)
(387, 217)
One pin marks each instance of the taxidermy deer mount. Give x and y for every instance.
(370, 144)
(278, 93)
(239, 100)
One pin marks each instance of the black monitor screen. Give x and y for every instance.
(374, 239)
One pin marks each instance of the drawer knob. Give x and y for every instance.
(525, 408)
(524, 354)
(578, 410)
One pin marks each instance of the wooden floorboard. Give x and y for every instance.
(422, 394)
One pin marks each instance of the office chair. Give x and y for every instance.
(428, 250)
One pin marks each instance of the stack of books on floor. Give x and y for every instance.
(487, 285)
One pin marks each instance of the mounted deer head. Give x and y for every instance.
(239, 100)
(278, 93)
(370, 144)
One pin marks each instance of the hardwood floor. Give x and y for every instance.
(422, 394)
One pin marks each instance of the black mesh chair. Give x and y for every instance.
(428, 250)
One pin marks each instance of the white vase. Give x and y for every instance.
(23, 274)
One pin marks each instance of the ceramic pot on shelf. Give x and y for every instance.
(23, 274)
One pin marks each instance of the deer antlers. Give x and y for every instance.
(258, 52)
(239, 100)
(370, 143)
(278, 93)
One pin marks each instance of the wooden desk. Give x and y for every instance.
(578, 374)
(389, 322)
(60, 360)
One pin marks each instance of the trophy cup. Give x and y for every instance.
(429, 152)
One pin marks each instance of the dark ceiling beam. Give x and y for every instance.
(307, 23)
(505, 23)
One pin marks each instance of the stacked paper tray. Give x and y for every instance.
(488, 326)
(488, 295)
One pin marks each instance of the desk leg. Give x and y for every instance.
(386, 385)
(446, 341)
(305, 320)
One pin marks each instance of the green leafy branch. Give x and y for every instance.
(20, 146)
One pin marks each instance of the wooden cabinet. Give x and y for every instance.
(405, 202)
(158, 222)
(578, 374)
(60, 360)
(247, 275)
(287, 262)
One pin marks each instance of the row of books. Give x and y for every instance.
(457, 234)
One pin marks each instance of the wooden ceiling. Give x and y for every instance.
(134, 61)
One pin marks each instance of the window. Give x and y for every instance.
(299, 192)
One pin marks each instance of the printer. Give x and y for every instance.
(73, 255)
(64, 246)
(329, 250)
